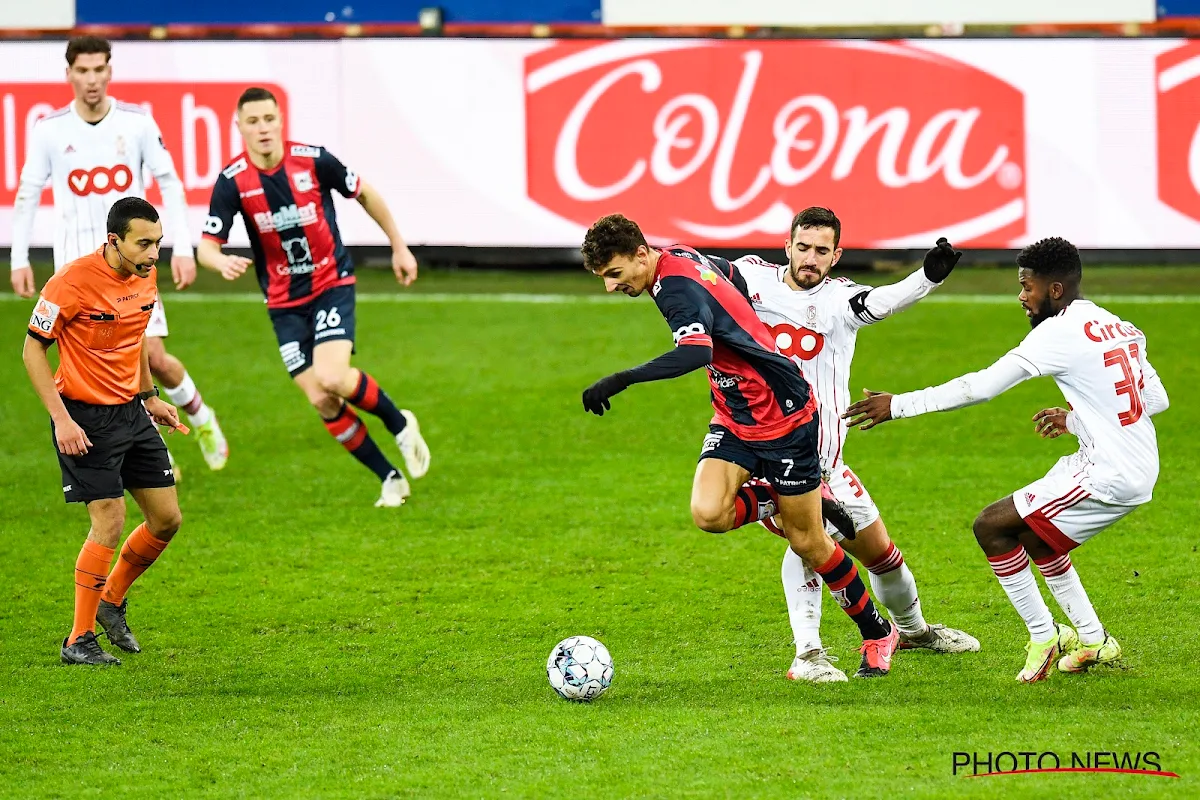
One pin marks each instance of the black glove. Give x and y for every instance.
(595, 397)
(940, 261)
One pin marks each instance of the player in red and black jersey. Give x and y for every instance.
(284, 193)
(765, 424)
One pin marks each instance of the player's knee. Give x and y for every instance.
(332, 381)
(166, 524)
(985, 529)
(108, 521)
(711, 517)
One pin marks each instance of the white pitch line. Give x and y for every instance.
(594, 299)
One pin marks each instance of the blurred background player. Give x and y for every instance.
(101, 402)
(815, 321)
(94, 152)
(1099, 363)
(283, 190)
(765, 420)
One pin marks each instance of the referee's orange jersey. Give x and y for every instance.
(98, 319)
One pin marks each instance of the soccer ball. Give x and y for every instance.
(579, 668)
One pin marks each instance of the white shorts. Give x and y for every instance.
(1063, 513)
(157, 328)
(851, 493)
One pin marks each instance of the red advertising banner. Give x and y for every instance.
(720, 143)
(196, 120)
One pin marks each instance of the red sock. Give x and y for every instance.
(753, 502)
(841, 576)
(91, 573)
(140, 551)
(350, 431)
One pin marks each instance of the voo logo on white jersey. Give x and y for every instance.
(286, 218)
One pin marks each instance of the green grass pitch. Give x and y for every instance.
(301, 643)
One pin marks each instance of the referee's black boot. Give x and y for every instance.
(86, 650)
(112, 619)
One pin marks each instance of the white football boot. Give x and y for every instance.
(393, 491)
(815, 667)
(941, 639)
(412, 446)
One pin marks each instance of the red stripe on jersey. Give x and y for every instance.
(254, 203)
(770, 421)
(701, 339)
(837, 424)
(301, 173)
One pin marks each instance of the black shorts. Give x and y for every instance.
(127, 452)
(329, 317)
(790, 463)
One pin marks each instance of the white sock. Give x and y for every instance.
(1063, 582)
(802, 588)
(894, 586)
(187, 397)
(1013, 572)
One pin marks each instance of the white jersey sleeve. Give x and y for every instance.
(1154, 394)
(34, 177)
(877, 304)
(968, 390)
(1047, 349)
(156, 157)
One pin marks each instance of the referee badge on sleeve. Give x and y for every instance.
(44, 315)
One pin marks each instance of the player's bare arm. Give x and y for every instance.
(69, 437)
(404, 264)
(966, 390)
(231, 267)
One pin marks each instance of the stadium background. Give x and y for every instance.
(303, 645)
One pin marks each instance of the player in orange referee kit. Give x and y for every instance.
(103, 408)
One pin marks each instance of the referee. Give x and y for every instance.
(103, 406)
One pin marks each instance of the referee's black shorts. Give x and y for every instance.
(127, 452)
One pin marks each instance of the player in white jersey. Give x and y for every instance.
(94, 152)
(815, 320)
(1099, 362)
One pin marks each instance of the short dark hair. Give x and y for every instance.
(82, 45)
(818, 217)
(1052, 258)
(254, 94)
(608, 238)
(125, 211)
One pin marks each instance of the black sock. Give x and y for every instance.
(841, 576)
(350, 431)
(371, 398)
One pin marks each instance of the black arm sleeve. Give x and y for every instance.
(680, 361)
(732, 273)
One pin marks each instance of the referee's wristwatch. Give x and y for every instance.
(144, 396)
